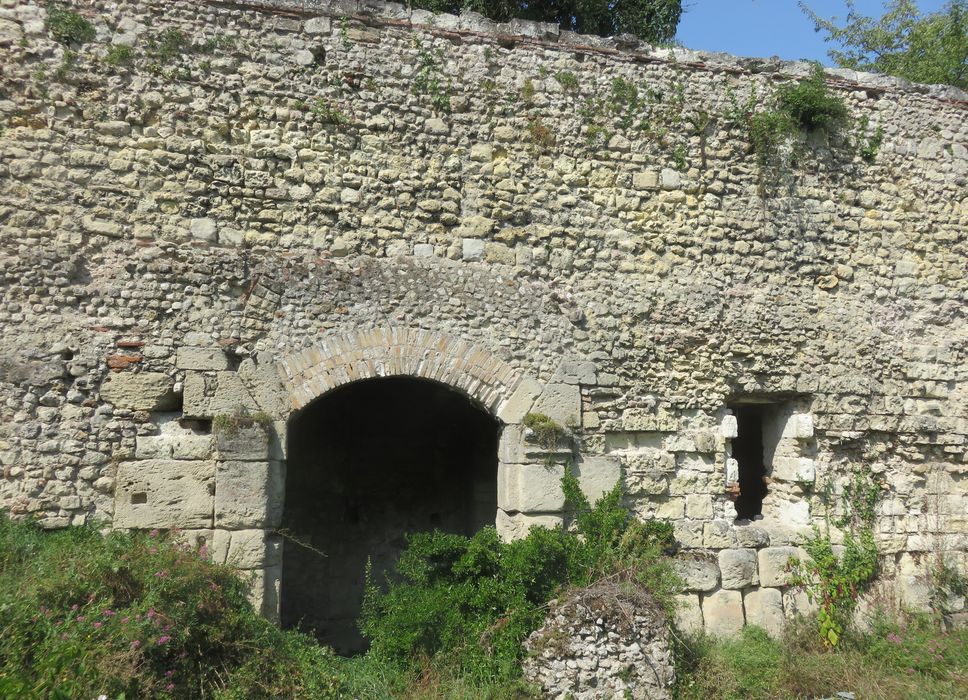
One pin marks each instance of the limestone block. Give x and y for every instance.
(511, 446)
(732, 471)
(648, 180)
(796, 603)
(688, 614)
(318, 25)
(249, 494)
(205, 229)
(530, 488)
(598, 475)
(688, 533)
(799, 469)
(246, 549)
(728, 427)
(264, 587)
(738, 568)
(516, 407)
(142, 391)
(472, 249)
(231, 395)
(261, 379)
(195, 398)
(722, 613)
(751, 536)
(799, 426)
(699, 573)
(561, 403)
(513, 526)
(764, 608)
(243, 442)
(201, 358)
(161, 493)
(699, 506)
(773, 564)
(575, 372)
(912, 581)
(719, 534)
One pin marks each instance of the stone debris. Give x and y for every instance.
(605, 641)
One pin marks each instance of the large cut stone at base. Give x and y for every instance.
(722, 613)
(164, 493)
(764, 607)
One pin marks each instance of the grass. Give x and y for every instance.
(898, 660)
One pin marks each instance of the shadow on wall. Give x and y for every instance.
(368, 463)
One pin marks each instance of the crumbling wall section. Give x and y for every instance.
(580, 220)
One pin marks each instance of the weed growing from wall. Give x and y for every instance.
(834, 582)
(428, 79)
(544, 430)
(68, 27)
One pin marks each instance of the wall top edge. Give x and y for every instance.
(548, 35)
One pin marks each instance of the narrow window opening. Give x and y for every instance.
(140, 497)
(748, 451)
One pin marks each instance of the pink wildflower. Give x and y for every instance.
(98, 625)
(135, 644)
(164, 639)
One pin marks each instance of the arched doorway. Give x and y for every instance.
(368, 463)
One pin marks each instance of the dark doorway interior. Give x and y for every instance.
(367, 464)
(749, 453)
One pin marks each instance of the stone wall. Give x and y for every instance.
(259, 202)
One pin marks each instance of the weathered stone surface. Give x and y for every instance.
(738, 568)
(160, 493)
(530, 488)
(602, 641)
(517, 406)
(249, 494)
(699, 573)
(201, 359)
(689, 614)
(142, 391)
(774, 564)
(246, 549)
(242, 442)
(722, 613)
(764, 607)
(561, 403)
(512, 526)
(597, 476)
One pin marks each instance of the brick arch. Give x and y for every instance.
(410, 352)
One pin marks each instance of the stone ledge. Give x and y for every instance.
(471, 24)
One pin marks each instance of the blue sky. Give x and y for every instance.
(768, 27)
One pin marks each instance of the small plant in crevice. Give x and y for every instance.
(428, 79)
(229, 424)
(541, 135)
(119, 55)
(868, 145)
(328, 113)
(834, 581)
(567, 80)
(68, 27)
(544, 430)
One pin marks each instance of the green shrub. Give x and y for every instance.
(138, 615)
(68, 27)
(834, 582)
(120, 55)
(465, 604)
(810, 104)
